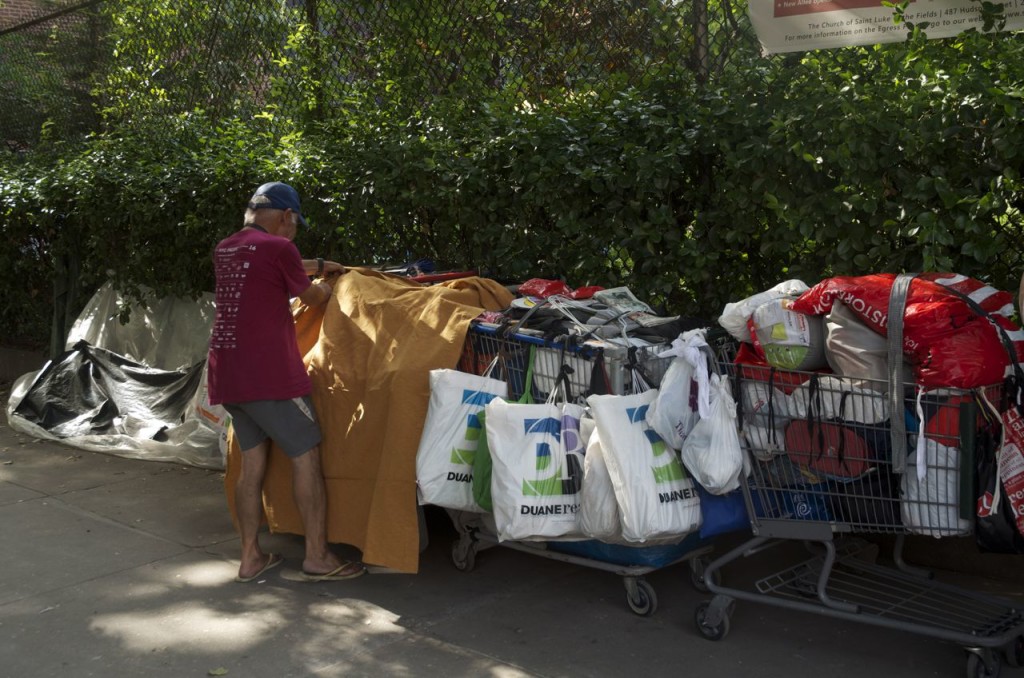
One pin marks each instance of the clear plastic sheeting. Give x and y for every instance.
(168, 333)
(139, 392)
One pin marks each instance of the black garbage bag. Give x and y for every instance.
(91, 391)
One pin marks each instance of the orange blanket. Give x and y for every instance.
(369, 352)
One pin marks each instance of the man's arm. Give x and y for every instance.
(321, 267)
(316, 294)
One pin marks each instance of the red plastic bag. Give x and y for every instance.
(949, 344)
(943, 426)
(585, 292)
(540, 287)
(543, 288)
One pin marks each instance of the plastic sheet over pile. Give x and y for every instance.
(135, 390)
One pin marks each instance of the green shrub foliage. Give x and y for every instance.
(888, 158)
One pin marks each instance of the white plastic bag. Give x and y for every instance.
(712, 451)
(537, 469)
(789, 339)
(765, 415)
(835, 398)
(655, 496)
(451, 433)
(674, 413)
(930, 500)
(764, 442)
(599, 510)
(762, 401)
(736, 314)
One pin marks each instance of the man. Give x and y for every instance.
(256, 371)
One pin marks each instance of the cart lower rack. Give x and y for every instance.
(630, 563)
(845, 583)
(827, 464)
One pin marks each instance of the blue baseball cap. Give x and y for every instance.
(278, 196)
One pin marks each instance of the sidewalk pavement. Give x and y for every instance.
(117, 567)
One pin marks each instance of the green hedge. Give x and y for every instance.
(26, 269)
(903, 157)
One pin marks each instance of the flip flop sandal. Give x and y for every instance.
(338, 574)
(273, 560)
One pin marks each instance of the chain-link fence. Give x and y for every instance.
(308, 57)
(49, 59)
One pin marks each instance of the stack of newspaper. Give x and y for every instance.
(622, 302)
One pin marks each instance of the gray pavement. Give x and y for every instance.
(117, 567)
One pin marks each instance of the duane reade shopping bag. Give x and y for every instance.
(451, 433)
(656, 498)
(537, 469)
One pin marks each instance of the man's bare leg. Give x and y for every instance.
(311, 499)
(249, 507)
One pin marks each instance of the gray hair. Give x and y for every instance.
(251, 213)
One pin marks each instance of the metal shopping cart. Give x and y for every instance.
(834, 457)
(587, 366)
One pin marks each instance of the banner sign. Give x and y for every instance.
(799, 25)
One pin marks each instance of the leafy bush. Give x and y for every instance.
(902, 157)
(26, 273)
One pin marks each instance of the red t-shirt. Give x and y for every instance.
(254, 354)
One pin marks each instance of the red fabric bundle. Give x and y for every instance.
(949, 343)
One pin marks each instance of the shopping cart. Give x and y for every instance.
(586, 366)
(834, 457)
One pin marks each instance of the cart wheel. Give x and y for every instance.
(710, 632)
(1014, 652)
(976, 666)
(464, 554)
(641, 597)
(698, 566)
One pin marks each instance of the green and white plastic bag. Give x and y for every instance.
(656, 498)
(537, 469)
(482, 465)
(451, 434)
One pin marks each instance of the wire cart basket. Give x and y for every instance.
(582, 364)
(833, 457)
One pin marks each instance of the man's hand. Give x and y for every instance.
(315, 268)
(333, 268)
(317, 293)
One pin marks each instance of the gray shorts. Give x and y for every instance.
(292, 424)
